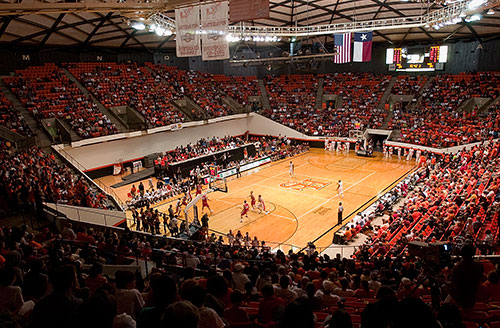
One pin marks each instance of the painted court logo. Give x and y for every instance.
(307, 183)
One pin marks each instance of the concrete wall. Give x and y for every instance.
(96, 155)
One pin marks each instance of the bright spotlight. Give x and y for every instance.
(138, 26)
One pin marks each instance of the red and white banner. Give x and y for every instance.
(187, 21)
(214, 22)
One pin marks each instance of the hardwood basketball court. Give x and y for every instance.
(301, 208)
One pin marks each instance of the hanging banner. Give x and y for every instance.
(247, 10)
(187, 21)
(214, 22)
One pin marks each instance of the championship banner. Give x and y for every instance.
(187, 21)
(214, 22)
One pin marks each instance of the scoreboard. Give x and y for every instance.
(417, 59)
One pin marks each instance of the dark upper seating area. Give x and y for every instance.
(11, 119)
(48, 93)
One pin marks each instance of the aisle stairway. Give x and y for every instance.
(263, 95)
(319, 94)
(419, 94)
(387, 93)
(43, 139)
(119, 125)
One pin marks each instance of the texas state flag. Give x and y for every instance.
(362, 47)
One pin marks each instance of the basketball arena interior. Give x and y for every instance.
(251, 164)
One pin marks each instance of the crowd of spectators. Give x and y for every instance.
(30, 177)
(207, 90)
(292, 99)
(423, 124)
(360, 95)
(11, 119)
(48, 93)
(130, 85)
(409, 84)
(453, 198)
(203, 147)
(56, 279)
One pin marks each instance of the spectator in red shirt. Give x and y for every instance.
(235, 314)
(270, 306)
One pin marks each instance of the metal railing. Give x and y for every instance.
(21, 142)
(87, 216)
(443, 16)
(97, 182)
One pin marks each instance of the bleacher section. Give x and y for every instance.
(47, 93)
(453, 201)
(208, 90)
(11, 119)
(128, 84)
(442, 116)
(292, 99)
(436, 121)
(409, 84)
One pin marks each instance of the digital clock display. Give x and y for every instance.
(417, 58)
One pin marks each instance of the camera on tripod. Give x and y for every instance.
(431, 253)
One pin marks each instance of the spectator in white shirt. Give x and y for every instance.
(239, 278)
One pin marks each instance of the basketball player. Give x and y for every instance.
(332, 146)
(198, 189)
(244, 211)
(291, 170)
(419, 152)
(204, 201)
(399, 152)
(261, 205)
(347, 147)
(340, 189)
(178, 206)
(252, 200)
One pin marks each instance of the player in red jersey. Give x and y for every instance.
(244, 211)
(252, 200)
(204, 201)
(198, 189)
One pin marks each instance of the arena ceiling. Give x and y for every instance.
(110, 29)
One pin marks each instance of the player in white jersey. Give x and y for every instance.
(327, 146)
(332, 146)
(384, 149)
(419, 153)
(391, 150)
(261, 205)
(291, 169)
(410, 154)
(347, 146)
(340, 189)
(399, 152)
